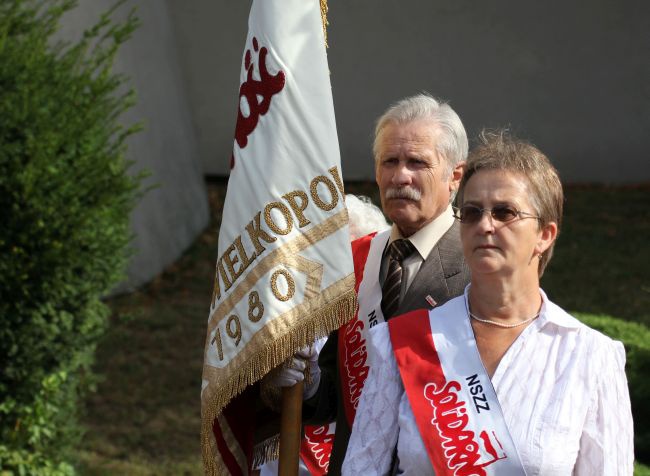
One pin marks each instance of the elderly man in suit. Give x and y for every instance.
(420, 147)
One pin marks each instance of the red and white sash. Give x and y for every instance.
(353, 356)
(455, 406)
(316, 448)
(317, 443)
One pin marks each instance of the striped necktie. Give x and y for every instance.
(397, 251)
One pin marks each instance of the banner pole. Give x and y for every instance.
(290, 430)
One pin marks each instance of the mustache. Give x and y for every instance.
(407, 192)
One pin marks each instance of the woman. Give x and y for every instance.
(546, 394)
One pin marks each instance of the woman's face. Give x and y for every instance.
(499, 248)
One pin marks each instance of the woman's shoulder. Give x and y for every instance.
(599, 346)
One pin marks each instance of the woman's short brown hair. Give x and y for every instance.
(498, 150)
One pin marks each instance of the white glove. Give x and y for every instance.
(293, 372)
(310, 355)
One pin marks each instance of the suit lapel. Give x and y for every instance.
(444, 261)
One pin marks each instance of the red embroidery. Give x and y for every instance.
(461, 448)
(355, 360)
(256, 92)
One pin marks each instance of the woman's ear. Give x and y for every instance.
(547, 236)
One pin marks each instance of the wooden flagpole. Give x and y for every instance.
(290, 430)
(291, 417)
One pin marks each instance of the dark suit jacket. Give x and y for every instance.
(443, 276)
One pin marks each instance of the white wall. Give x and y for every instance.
(169, 217)
(571, 76)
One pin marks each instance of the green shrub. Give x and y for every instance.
(641, 470)
(636, 339)
(65, 200)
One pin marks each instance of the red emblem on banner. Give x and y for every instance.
(255, 94)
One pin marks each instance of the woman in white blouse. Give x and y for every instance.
(561, 386)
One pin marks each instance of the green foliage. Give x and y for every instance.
(636, 339)
(65, 199)
(600, 263)
(641, 470)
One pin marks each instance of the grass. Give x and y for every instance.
(145, 417)
(601, 259)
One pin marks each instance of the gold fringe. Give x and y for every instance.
(267, 450)
(319, 324)
(270, 394)
(323, 17)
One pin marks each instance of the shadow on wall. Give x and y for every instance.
(175, 209)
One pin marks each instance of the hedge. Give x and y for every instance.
(65, 200)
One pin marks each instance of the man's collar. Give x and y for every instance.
(428, 236)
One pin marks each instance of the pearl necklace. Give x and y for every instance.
(500, 324)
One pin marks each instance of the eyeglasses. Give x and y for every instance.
(470, 214)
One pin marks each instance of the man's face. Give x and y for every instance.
(409, 173)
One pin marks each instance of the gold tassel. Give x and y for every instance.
(268, 450)
(323, 17)
(331, 316)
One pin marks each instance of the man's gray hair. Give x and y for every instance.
(451, 142)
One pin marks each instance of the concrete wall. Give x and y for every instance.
(571, 76)
(169, 217)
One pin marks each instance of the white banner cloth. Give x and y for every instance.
(284, 272)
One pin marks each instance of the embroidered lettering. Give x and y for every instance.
(334, 171)
(355, 360)
(279, 220)
(316, 196)
(320, 442)
(476, 389)
(477, 403)
(273, 224)
(298, 209)
(372, 318)
(461, 447)
(255, 233)
(472, 380)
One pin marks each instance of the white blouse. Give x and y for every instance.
(562, 390)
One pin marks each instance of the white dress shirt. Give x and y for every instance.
(423, 240)
(562, 390)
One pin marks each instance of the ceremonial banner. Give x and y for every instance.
(284, 274)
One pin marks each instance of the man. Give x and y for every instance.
(420, 147)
